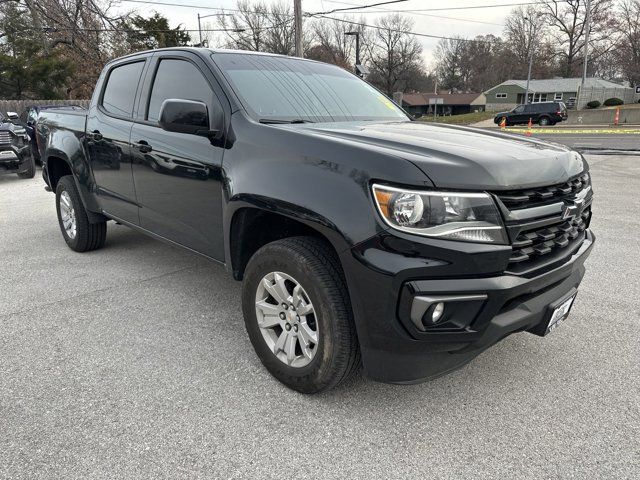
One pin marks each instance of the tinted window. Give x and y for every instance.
(177, 79)
(120, 91)
(286, 88)
(519, 109)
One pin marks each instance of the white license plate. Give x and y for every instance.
(560, 313)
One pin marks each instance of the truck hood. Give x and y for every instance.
(462, 157)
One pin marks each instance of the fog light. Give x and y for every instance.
(437, 312)
(428, 311)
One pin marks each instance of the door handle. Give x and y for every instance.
(143, 146)
(96, 135)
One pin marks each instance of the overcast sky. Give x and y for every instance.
(466, 22)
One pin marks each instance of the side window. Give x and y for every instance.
(177, 79)
(120, 91)
(519, 109)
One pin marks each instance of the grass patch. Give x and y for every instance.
(464, 119)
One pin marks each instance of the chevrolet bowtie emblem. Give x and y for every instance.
(571, 210)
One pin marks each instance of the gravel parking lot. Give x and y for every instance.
(132, 362)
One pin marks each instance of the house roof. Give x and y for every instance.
(550, 85)
(418, 99)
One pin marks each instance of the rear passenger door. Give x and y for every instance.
(177, 175)
(109, 125)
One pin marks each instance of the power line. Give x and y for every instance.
(470, 7)
(358, 7)
(408, 32)
(428, 15)
(321, 15)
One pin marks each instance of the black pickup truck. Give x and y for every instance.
(360, 236)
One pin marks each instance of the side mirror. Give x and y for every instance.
(184, 116)
(417, 115)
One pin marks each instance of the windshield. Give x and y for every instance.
(290, 89)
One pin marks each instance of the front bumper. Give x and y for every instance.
(383, 282)
(14, 159)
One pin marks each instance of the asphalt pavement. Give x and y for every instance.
(133, 362)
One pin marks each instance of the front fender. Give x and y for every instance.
(322, 181)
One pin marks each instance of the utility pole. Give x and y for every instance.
(587, 21)
(199, 29)
(531, 49)
(297, 13)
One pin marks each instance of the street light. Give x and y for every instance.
(205, 16)
(360, 70)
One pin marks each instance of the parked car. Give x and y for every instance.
(545, 113)
(15, 152)
(29, 120)
(359, 235)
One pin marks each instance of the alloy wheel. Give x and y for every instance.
(287, 319)
(68, 215)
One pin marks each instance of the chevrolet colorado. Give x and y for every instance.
(361, 237)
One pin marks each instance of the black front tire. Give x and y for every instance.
(89, 236)
(30, 172)
(314, 264)
(544, 121)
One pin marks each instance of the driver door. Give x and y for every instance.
(177, 176)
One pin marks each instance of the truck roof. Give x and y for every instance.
(202, 50)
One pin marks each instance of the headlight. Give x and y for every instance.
(470, 217)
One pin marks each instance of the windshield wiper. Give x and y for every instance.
(278, 120)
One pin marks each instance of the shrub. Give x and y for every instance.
(593, 104)
(612, 102)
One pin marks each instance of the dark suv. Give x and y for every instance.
(546, 113)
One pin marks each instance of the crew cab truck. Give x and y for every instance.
(361, 237)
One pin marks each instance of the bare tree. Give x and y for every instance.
(567, 20)
(395, 55)
(450, 60)
(260, 27)
(627, 53)
(525, 33)
(331, 43)
(246, 29)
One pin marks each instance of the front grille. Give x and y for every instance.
(547, 243)
(533, 197)
(5, 138)
(540, 236)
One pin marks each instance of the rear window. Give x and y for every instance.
(120, 91)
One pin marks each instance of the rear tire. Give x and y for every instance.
(312, 265)
(30, 172)
(77, 231)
